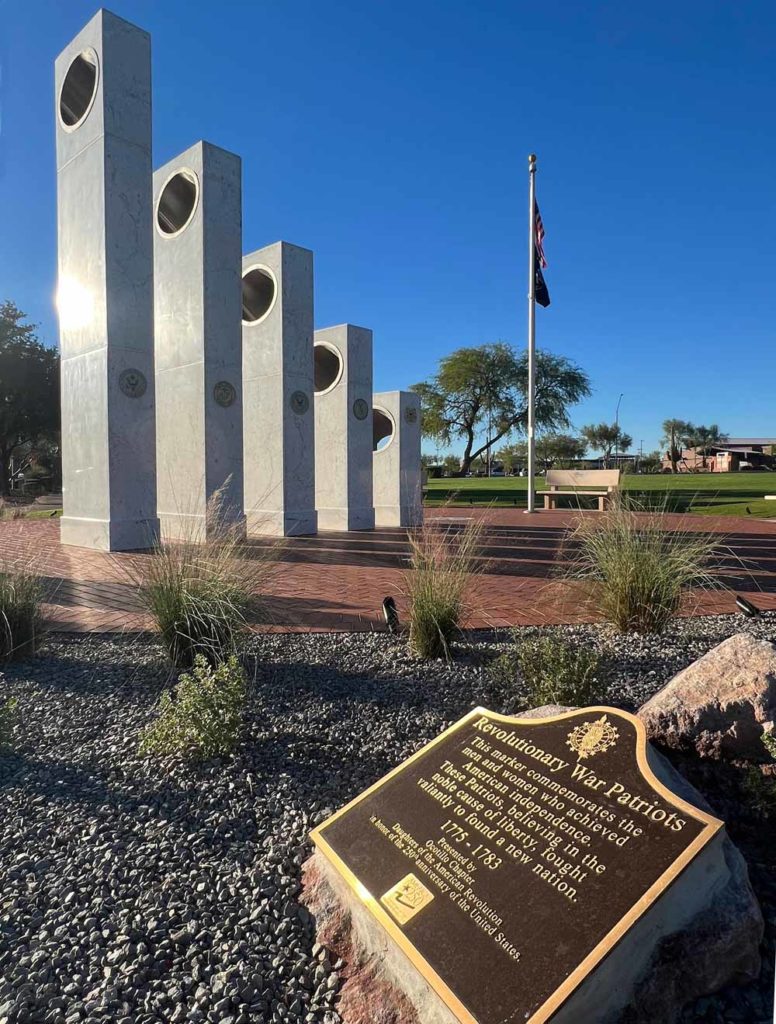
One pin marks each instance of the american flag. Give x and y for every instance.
(539, 229)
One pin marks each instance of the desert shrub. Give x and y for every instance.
(199, 591)
(9, 715)
(553, 670)
(21, 594)
(759, 792)
(769, 742)
(200, 719)
(638, 567)
(443, 564)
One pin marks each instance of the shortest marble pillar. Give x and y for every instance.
(278, 416)
(398, 495)
(343, 428)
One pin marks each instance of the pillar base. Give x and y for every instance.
(176, 527)
(262, 523)
(109, 534)
(346, 519)
(398, 515)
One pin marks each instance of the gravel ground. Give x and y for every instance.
(134, 894)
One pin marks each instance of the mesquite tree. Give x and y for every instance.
(484, 390)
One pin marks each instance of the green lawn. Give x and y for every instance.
(705, 494)
(30, 512)
(727, 494)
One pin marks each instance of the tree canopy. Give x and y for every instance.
(487, 386)
(29, 389)
(676, 435)
(552, 449)
(706, 437)
(606, 438)
(703, 438)
(681, 434)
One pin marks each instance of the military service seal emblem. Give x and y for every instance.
(592, 738)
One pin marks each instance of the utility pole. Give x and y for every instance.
(617, 429)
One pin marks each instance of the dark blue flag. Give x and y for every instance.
(540, 286)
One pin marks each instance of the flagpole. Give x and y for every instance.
(531, 328)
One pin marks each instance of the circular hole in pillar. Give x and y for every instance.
(383, 429)
(78, 89)
(259, 290)
(328, 367)
(177, 202)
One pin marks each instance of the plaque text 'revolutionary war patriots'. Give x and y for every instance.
(508, 856)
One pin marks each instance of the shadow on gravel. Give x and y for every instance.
(311, 763)
(292, 681)
(134, 663)
(58, 781)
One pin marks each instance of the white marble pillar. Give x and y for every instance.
(343, 428)
(278, 413)
(398, 494)
(197, 271)
(105, 288)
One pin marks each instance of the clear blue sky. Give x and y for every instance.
(392, 139)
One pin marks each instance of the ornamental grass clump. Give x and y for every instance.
(21, 594)
(553, 670)
(200, 591)
(443, 564)
(201, 718)
(639, 567)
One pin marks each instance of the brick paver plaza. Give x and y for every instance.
(337, 581)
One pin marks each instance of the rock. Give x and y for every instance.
(720, 947)
(547, 711)
(717, 945)
(721, 704)
(366, 995)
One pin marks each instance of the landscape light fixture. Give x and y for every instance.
(751, 611)
(391, 615)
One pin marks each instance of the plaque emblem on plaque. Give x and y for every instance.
(224, 393)
(411, 414)
(360, 409)
(592, 738)
(300, 403)
(406, 898)
(132, 383)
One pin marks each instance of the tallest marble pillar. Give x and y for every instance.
(105, 288)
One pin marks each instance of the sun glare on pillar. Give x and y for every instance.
(75, 304)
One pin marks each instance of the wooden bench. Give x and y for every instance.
(599, 483)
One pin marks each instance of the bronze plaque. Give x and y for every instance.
(509, 855)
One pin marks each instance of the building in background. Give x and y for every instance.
(736, 455)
